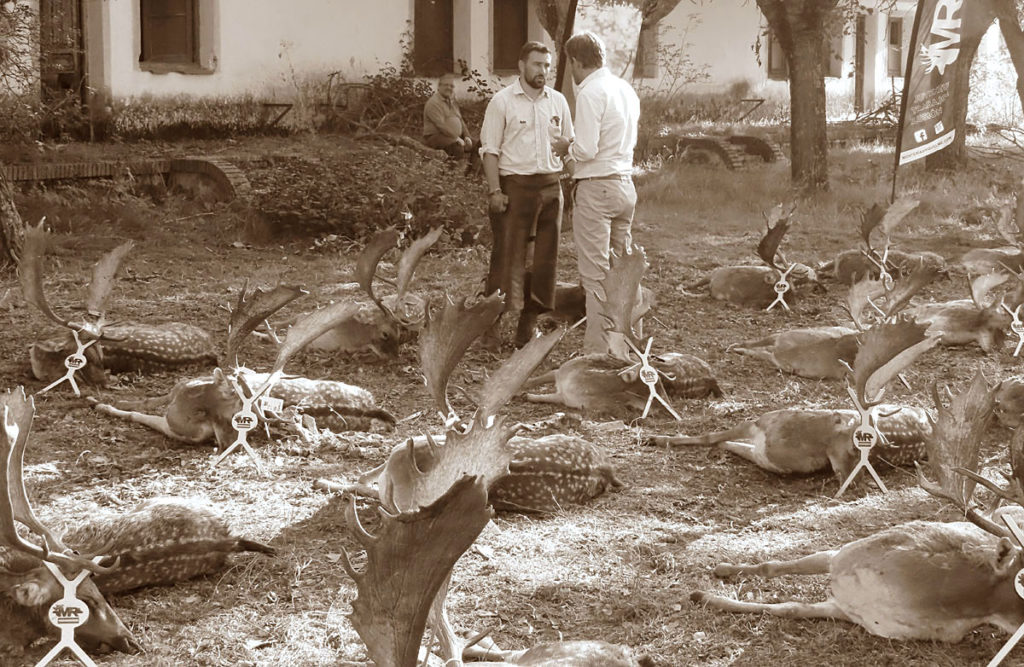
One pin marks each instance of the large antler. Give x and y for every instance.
(885, 350)
(253, 309)
(407, 562)
(867, 295)
(622, 292)
(777, 223)
(982, 286)
(366, 264)
(885, 220)
(103, 275)
(957, 431)
(17, 412)
(411, 258)
(447, 336)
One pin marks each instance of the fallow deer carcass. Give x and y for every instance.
(1008, 259)
(610, 383)
(120, 346)
(200, 409)
(979, 320)
(435, 504)
(800, 440)
(382, 326)
(754, 286)
(27, 587)
(816, 352)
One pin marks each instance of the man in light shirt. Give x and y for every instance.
(523, 190)
(601, 154)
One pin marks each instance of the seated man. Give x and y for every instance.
(443, 126)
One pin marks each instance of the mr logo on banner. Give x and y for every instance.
(928, 122)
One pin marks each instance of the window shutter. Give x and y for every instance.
(509, 33)
(895, 52)
(168, 31)
(778, 67)
(433, 37)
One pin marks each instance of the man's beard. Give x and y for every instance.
(537, 82)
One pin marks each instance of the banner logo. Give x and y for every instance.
(944, 46)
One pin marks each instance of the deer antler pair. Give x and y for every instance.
(865, 295)
(17, 412)
(777, 222)
(366, 266)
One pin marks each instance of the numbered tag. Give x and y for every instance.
(1017, 327)
(781, 287)
(648, 375)
(244, 420)
(68, 613)
(271, 404)
(74, 362)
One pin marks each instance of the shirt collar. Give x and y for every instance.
(519, 90)
(599, 73)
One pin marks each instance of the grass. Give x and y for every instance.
(620, 568)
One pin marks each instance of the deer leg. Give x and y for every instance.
(827, 609)
(817, 563)
(744, 430)
(157, 423)
(144, 404)
(555, 398)
(543, 378)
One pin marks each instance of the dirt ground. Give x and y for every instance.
(620, 568)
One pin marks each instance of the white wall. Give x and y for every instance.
(251, 46)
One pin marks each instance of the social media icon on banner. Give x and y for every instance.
(921, 136)
(939, 127)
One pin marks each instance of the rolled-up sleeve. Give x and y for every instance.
(493, 128)
(587, 128)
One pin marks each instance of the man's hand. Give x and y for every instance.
(497, 202)
(560, 145)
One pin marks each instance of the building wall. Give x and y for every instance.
(263, 47)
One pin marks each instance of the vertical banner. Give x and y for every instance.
(927, 117)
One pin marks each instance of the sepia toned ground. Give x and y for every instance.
(620, 568)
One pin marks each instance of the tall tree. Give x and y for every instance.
(651, 14)
(12, 229)
(799, 26)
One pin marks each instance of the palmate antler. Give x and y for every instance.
(871, 296)
(369, 259)
(31, 275)
(17, 411)
(622, 306)
(777, 223)
(252, 309)
(880, 222)
(408, 564)
(885, 350)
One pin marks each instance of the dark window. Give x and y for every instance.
(433, 37)
(510, 32)
(168, 31)
(895, 55)
(833, 64)
(778, 68)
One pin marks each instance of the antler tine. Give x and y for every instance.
(103, 278)
(407, 562)
(621, 286)
(30, 271)
(252, 310)
(970, 513)
(17, 413)
(447, 336)
(411, 259)
(366, 265)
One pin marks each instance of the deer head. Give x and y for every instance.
(31, 270)
(871, 300)
(435, 501)
(28, 582)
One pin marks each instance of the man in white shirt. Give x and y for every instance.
(607, 112)
(524, 193)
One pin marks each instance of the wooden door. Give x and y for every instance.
(62, 62)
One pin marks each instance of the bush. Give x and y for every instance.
(361, 191)
(188, 118)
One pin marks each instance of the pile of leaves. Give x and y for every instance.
(356, 194)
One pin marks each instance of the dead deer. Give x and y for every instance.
(754, 286)
(979, 320)
(1009, 399)
(435, 504)
(816, 353)
(200, 409)
(1010, 225)
(610, 384)
(382, 326)
(920, 580)
(799, 440)
(120, 347)
(27, 588)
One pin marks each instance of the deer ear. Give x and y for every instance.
(1006, 557)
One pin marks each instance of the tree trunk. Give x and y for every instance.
(563, 61)
(798, 26)
(12, 228)
(1009, 25)
(977, 19)
(808, 132)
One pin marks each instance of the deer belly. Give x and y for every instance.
(795, 441)
(956, 322)
(816, 353)
(905, 595)
(743, 285)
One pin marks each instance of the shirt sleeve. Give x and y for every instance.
(493, 128)
(587, 128)
(567, 129)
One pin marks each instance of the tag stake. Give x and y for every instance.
(68, 613)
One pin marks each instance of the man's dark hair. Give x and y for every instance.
(587, 48)
(530, 47)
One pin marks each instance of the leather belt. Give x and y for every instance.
(609, 177)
